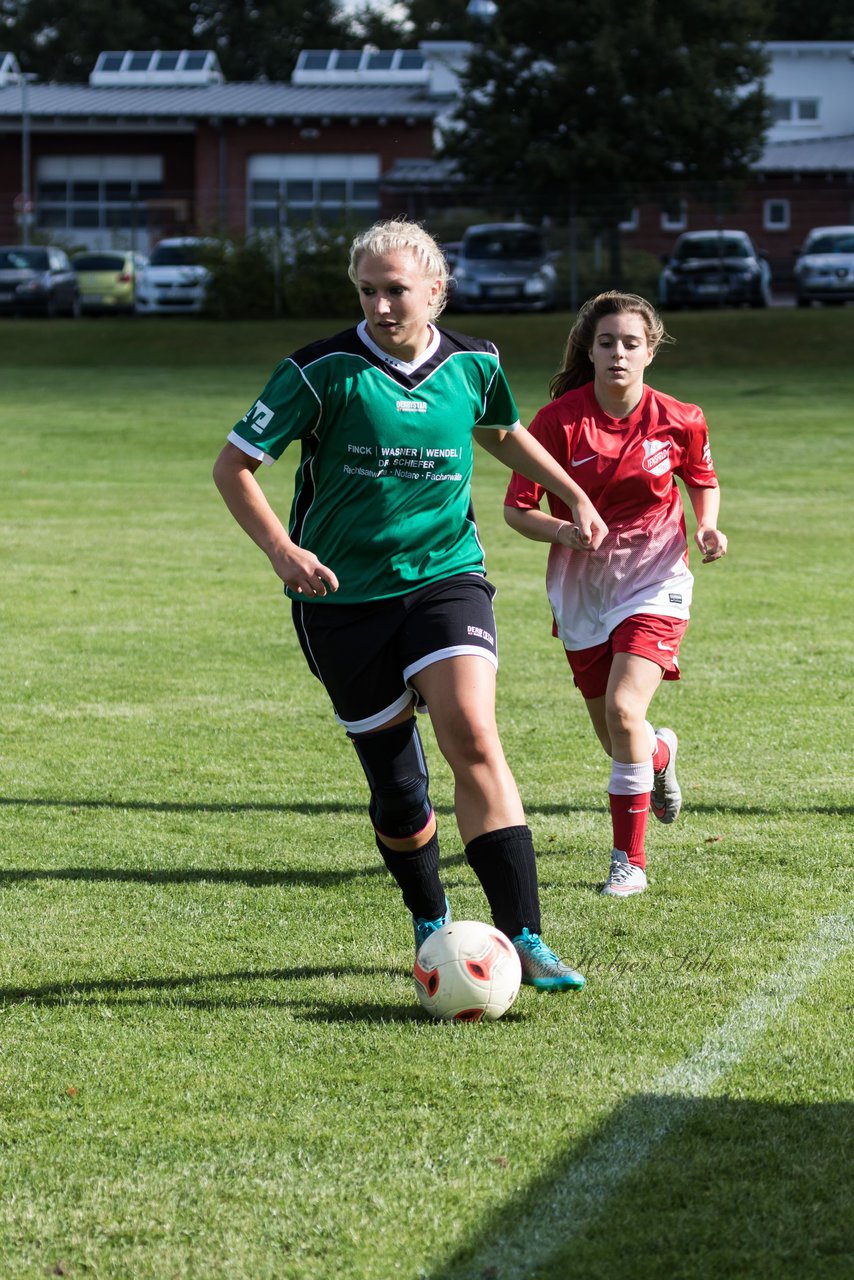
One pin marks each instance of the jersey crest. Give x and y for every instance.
(657, 456)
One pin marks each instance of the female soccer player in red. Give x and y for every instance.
(622, 610)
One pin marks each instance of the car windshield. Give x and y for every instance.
(714, 247)
(504, 244)
(99, 262)
(838, 242)
(176, 255)
(23, 260)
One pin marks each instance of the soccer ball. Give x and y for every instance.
(467, 971)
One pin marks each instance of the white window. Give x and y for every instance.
(795, 110)
(290, 191)
(107, 194)
(632, 222)
(675, 219)
(776, 215)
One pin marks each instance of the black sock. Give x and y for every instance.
(417, 873)
(505, 865)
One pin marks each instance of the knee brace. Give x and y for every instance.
(394, 765)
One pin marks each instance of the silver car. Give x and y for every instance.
(824, 271)
(503, 266)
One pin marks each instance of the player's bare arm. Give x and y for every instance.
(519, 451)
(709, 538)
(541, 526)
(299, 569)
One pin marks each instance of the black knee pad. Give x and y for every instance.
(394, 765)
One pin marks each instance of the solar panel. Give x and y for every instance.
(156, 67)
(361, 66)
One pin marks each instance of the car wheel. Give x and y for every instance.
(804, 302)
(76, 309)
(50, 308)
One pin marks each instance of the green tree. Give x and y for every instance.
(60, 41)
(255, 41)
(811, 20)
(591, 108)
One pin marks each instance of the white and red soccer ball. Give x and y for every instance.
(467, 972)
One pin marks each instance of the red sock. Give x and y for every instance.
(661, 759)
(629, 816)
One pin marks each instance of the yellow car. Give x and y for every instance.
(107, 279)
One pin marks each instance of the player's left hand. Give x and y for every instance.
(712, 543)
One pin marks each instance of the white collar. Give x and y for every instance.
(403, 365)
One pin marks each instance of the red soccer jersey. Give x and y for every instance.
(627, 468)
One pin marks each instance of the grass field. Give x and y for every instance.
(213, 1065)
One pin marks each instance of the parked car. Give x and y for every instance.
(824, 271)
(107, 279)
(175, 279)
(714, 268)
(37, 279)
(503, 266)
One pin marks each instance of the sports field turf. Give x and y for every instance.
(213, 1065)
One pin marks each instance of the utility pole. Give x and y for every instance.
(24, 77)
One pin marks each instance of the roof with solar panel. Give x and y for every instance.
(189, 83)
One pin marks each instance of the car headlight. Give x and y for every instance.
(535, 287)
(38, 284)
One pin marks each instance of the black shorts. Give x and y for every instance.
(365, 655)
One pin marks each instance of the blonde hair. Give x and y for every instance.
(575, 370)
(399, 235)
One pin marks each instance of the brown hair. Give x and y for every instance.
(399, 235)
(575, 371)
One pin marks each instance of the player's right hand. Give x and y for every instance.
(303, 573)
(592, 529)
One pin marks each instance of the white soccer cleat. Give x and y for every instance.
(666, 799)
(624, 878)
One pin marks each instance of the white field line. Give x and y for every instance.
(587, 1186)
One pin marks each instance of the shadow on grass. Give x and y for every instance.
(176, 991)
(326, 807)
(179, 992)
(254, 879)
(695, 1188)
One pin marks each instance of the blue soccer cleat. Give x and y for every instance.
(423, 927)
(541, 968)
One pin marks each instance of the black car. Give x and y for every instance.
(37, 279)
(714, 268)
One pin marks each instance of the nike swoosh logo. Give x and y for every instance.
(667, 647)
(637, 810)
(579, 462)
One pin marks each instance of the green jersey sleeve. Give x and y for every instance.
(500, 409)
(287, 409)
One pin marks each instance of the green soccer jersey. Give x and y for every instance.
(383, 488)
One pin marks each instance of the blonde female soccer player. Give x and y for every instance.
(622, 609)
(384, 567)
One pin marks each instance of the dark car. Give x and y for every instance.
(824, 271)
(37, 280)
(714, 268)
(503, 266)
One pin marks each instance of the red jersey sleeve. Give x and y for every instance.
(696, 467)
(522, 492)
